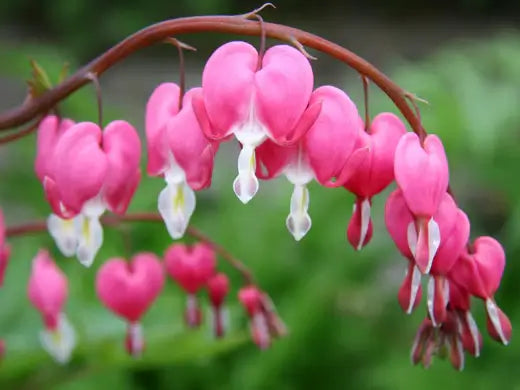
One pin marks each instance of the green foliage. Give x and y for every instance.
(346, 329)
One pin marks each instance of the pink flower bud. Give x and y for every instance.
(376, 171)
(129, 288)
(360, 229)
(5, 250)
(218, 288)
(47, 289)
(191, 267)
(251, 298)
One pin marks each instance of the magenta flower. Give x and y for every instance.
(47, 290)
(92, 171)
(218, 288)
(192, 268)
(5, 250)
(255, 101)
(129, 289)
(321, 153)
(251, 298)
(421, 172)
(179, 151)
(373, 174)
(479, 270)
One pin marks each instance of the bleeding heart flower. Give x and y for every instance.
(479, 270)
(191, 267)
(5, 250)
(410, 292)
(47, 290)
(179, 151)
(373, 173)
(321, 153)
(129, 289)
(218, 288)
(421, 172)
(430, 340)
(255, 99)
(468, 330)
(251, 298)
(92, 171)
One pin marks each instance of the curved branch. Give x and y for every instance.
(224, 24)
(113, 220)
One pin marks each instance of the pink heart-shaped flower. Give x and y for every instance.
(191, 267)
(130, 288)
(421, 172)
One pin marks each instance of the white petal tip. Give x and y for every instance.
(61, 342)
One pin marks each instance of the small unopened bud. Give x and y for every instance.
(218, 287)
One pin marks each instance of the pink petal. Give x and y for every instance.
(47, 289)
(130, 288)
(421, 173)
(162, 105)
(397, 219)
(228, 86)
(49, 131)
(359, 231)
(189, 146)
(331, 140)
(410, 292)
(271, 159)
(283, 88)
(377, 170)
(122, 146)
(81, 165)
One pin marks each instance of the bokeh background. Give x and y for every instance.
(346, 328)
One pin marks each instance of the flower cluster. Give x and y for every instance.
(284, 126)
(432, 233)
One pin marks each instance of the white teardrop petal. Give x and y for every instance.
(414, 289)
(90, 239)
(60, 342)
(434, 241)
(492, 311)
(411, 235)
(176, 204)
(246, 184)
(365, 221)
(63, 232)
(299, 222)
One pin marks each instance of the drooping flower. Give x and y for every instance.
(431, 340)
(179, 151)
(479, 270)
(5, 250)
(320, 154)
(251, 298)
(191, 267)
(129, 289)
(62, 230)
(91, 171)
(47, 291)
(218, 288)
(255, 100)
(421, 172)
(373, 174)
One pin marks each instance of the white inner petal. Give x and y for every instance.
(60, 342)
(136, 338)
(299, 222)
(251, 132)
(411, 235)
(176, 204)
(430, 299)
(492, 311)
(414, 289)
(246, 183)
(460, 352)
(90, 238)
(63, 231)
(365, 220)
(473, 328)
(434, 241)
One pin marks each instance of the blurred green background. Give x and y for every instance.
(346, 328)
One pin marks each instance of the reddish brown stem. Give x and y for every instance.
(224, 24)
(112, 220)
(19, 134)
